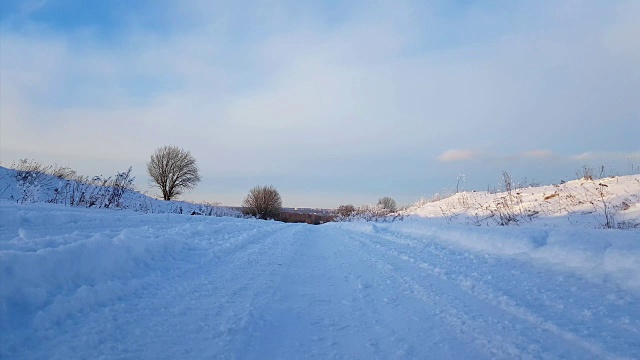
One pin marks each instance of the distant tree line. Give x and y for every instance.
(173, 171)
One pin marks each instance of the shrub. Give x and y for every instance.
(586, 173)
(507, 182)
(345, 210)
(369, 213)
(263, 202)
(388, 204)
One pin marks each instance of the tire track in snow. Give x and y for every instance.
(333, 304)
(91, 295)
(269, 258)
(248, 289)
(500, 332)
(214, 303)
(202, 273)
(451, 310)
(584, 299)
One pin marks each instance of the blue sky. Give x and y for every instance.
(332, 102)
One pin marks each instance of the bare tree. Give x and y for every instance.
(263, 202)
(388, 204)
(173, 170)
(346, 210)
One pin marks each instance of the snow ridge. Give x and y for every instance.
(44, 188)
(612, 202)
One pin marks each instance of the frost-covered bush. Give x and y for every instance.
(388, 204)
(375, 213)
(29, 183)
(99, 192)
(345, 210)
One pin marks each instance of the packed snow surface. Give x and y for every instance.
(81, 283)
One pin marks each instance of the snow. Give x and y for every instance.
(96, 283)
(44, 188)
(577, 202)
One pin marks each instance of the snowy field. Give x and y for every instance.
(80, 283)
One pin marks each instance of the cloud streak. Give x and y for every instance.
(456, 155)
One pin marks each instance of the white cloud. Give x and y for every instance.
(456, 155)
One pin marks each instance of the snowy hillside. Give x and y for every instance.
(84, 283)
(36, 187)
(612, 202)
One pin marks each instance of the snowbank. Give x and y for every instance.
(56, 261)
(612, 202)
(596, 254)
(29, 188)
(40, 268)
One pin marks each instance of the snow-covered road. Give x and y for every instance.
(78, 283)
